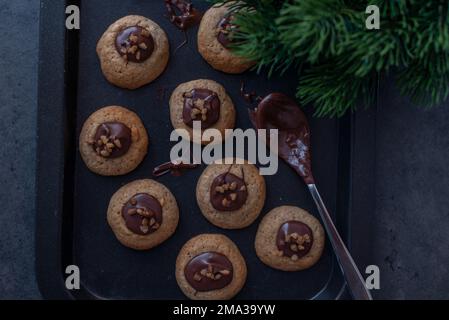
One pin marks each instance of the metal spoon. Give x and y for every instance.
(278, 111)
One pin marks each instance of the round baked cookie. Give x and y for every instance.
(113, 141)
(289, 239)
(210, 267)
(231, 196)
(204, 101)
(133, 52)
(143, 214)
(215, 38)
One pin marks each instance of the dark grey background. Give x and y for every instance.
(410, 238)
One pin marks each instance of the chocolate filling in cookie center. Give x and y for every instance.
(209, 271)
(201, 105)
(294, 239)
(142, 214)
(225, 30)
(135, 44)
(112, 140)
(228, 192)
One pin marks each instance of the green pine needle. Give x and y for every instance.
(338, 60)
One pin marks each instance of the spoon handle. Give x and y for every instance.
(354, 279)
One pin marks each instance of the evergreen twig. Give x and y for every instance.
(337, 58)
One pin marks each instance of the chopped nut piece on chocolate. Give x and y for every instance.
(133, 38)
(117, 143)
(233, 196)
(143, 46)
(199, 103)
(203, 272)
(195, 112)
(225, 272)
(133, 49)
(225, 202)
(219, 189)
(152, 221)
(145, 33)
(197, 277)
(294, 257)
(218, 276)
(104, 139)
(145, 222)
(294, 247)
(144, 229)
(156, 226)
(138, 55)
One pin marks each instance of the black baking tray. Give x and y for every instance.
(72, 201)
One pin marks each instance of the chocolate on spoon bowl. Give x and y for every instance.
(278, 111)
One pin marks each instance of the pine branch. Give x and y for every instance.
(339, 58)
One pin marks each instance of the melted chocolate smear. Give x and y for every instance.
(176, 169)
(142, 214)
(294, 238)
(182, 14)
(209, 271)
(248, 96)
(278, 111)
